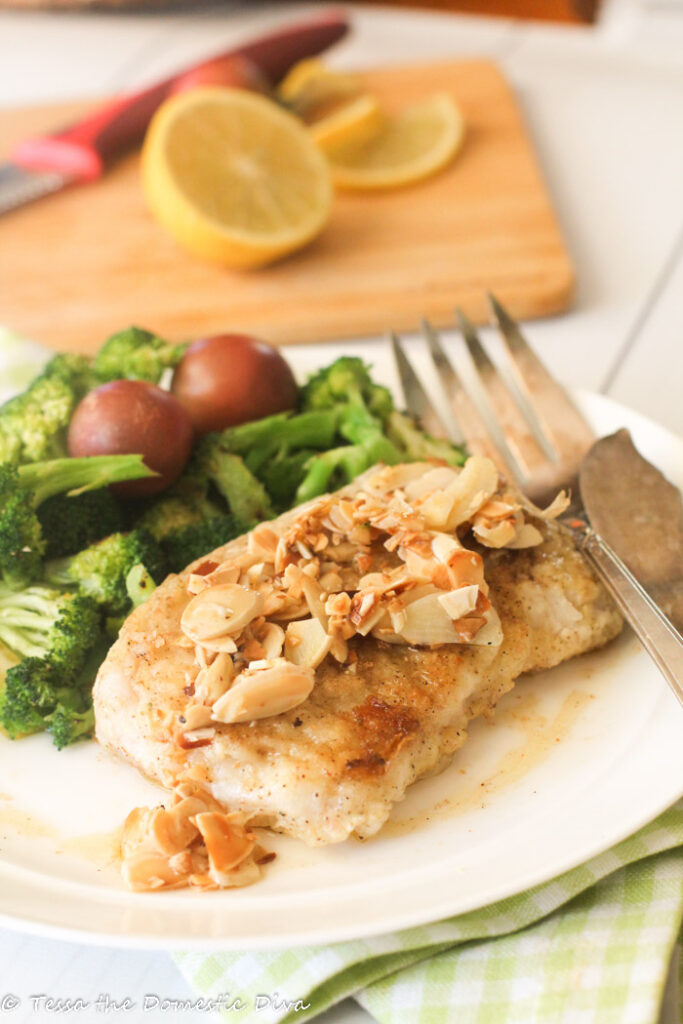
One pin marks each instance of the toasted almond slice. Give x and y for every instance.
(135, 829)
(427, 622)
(195, 716)
(306, 643)
(187, 788)
(196, 738)
(263, 692)
(434, 480)
(172, 831)
(218, 611)
(145, 870)
(213, 681)
(491, 633)
(263, 542)
(527, 536)
(272, 639)
(227, 843)
(462, 601)
(494, 534)
(446, 508)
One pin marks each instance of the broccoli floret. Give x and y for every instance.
(184, 545)
(347, 380)
(33, 424)
(67, 724)
(339, 466)
(282, 475)
(417, 445)
(24, 488)
(246, 496)
(100, 571)
(173, 512)
(41, 622)
(260, 441)
(30, 692)
(139, 585)
(70, 524)
(136, 354)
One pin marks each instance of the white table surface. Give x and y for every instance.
(605, 108)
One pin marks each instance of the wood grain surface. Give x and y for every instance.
(78, 265)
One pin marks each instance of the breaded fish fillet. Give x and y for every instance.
(335, 765)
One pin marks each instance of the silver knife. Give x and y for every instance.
(634, 536)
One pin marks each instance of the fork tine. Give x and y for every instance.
(417, 401)
(544, 400)
(476, 422)
(528, 446)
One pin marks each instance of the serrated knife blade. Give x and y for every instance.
(19, 186)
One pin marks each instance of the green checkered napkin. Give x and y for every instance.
(591, 947)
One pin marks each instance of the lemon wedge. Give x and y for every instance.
(411, 145)
(353, 123)
(234, 178)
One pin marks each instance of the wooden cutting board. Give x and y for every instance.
(88, 261)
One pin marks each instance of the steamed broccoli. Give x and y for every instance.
(176, 509)
(362, 408)
(101, 570)
(245, 495)
(69, 524)
(261, 441)
(68, 724)
(347, 380)
(139, 585)
(31, 691)
(41, 622)
(24, 488)
(57, 634)
(187, 543)
(416, 445)
(33, 424)
(135, 354)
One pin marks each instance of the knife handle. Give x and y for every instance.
(659, 638)
(82, 150)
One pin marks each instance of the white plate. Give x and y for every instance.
(576, 759)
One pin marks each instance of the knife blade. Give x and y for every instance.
(81, 152)
(639, 513)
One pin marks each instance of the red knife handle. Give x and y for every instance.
(83, 150)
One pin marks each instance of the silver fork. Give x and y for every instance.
(523, 419)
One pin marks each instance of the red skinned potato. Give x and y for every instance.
(232, 378)
(133, 416)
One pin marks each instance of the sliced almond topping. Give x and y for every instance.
(212, 682)
(196, 716)
(527, 536)
(268, 689)
(462, 601)
(196, 738)
(272, 638)
(263, 542)
(227, 843)
(220, 610)
(172, 831)
(494, 533)
(145, 870)
(196, 583)
(306, 643)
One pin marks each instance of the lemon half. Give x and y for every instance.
(233, 177)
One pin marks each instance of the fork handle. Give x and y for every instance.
(653, 629)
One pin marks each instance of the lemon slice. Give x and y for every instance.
(354, 123)
(233, 177)
(312, 90)
(413, 144)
